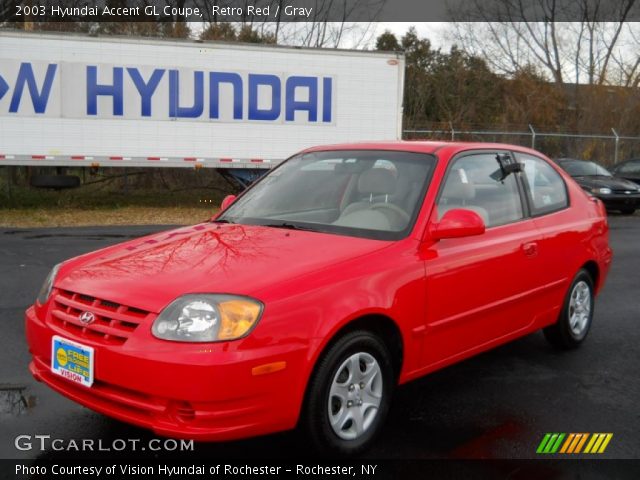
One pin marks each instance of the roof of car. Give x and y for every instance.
(579, 160)
(421, 146)
(562, 160)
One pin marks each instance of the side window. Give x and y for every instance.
(547, 190)
(473, 182)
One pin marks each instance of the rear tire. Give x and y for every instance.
(576, 316)
(627, 211)
(349, 395)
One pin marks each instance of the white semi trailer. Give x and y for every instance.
(70, 100)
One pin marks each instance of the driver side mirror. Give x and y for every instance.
(226, 201)
(458, 223)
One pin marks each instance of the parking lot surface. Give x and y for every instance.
(496, 405)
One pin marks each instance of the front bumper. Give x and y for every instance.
(618, 200)
(186, 392)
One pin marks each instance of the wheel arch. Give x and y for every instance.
(383, 326)
(593, 270)
(315, 426)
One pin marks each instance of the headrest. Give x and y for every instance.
(458, 187)
(377, 181)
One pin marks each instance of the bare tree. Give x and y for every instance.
(624, 63)
(512, 34)
(7, 11)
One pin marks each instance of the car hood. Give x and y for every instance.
(150, 272)
(633, 177)
(601, 181)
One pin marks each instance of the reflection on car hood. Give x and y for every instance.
(601, 181)
(152, 271)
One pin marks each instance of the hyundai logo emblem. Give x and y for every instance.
(87, 317)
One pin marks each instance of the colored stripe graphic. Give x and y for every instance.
(550, 443)
(592, 440)
(598, 443)
(568, 442)
(556, 445)
(573, 443)
(543, 443)
(581, 443)
(596, 446)
(607, 439)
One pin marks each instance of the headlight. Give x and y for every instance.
(603, 191)
(207, 318)
(47, 286)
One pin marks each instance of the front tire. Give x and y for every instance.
(627, 210)
(349, 395)
(576, 316)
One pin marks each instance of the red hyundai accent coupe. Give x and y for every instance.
(347, 270)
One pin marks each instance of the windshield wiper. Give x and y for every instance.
(223, 220)
(290, 226)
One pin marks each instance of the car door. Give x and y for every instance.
(559, 229)
(480, 288)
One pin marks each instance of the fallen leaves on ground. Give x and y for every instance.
(56, 217)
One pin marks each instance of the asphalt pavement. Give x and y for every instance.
(496, 405)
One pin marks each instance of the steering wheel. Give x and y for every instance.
(393, 208)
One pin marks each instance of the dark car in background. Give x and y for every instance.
(615, 192)
(629, 170)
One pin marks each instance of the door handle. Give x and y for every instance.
(530, 249)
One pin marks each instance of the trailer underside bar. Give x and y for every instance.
(43, 160)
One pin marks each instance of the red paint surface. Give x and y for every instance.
(449, 299)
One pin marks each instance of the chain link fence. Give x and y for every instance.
(605, 148)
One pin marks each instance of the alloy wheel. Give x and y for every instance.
(579, 308)
(355, 396)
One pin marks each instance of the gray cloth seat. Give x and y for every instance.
(376, 185)
(367, 219)
(458, 193)
(372, 183)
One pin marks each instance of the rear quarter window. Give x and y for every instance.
(545, 187)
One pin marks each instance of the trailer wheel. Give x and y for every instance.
(56, 182)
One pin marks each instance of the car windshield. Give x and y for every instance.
(365, 193)
(581, 168)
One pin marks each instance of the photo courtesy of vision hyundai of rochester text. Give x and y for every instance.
(342, 273)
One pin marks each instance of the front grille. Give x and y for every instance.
(113, 323)
(626, 191)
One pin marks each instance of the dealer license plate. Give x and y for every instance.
(72, 360)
